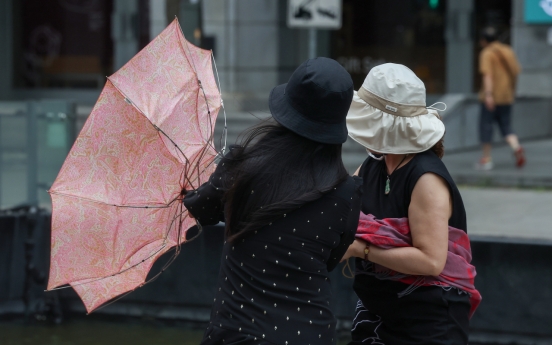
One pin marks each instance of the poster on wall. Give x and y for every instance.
(320, 14)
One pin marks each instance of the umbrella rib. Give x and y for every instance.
(144, 114)
(109, 204)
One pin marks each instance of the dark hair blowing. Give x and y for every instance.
(273, 172)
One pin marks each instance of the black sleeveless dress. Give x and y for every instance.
(428, 314)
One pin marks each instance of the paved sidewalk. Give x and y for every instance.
(537, 172)
(508, 215)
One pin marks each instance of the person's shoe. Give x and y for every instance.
(520, 157)
(484, 164)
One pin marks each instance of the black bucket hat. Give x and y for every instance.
(315, 101)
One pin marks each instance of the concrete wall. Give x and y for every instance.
(459, 39)
(254, 49)
(534, 54)
(514, 279)
(531, 119)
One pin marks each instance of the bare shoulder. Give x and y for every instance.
(357, 171)
(431, 192)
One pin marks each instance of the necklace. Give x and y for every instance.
(388, 182)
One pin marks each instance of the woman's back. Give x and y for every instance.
(274, 285)
(291, 211)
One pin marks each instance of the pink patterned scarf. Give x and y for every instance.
(395, 232)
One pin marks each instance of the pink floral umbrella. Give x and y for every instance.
(117, 199)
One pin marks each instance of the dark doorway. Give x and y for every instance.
(496, 13)
(410, 32)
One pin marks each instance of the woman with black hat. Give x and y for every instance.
(291, 211)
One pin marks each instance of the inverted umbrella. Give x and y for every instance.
(117, 199)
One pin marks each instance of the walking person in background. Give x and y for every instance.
(291, 211)
(499, 68)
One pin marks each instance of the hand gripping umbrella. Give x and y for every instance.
(117, 201)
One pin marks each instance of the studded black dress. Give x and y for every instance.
(273, 286)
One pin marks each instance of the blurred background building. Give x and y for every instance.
(63, 49)
(56, 54)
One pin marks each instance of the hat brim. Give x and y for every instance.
(284, 113)
(382, 132)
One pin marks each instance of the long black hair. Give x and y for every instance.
(273, 172)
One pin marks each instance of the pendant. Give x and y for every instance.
(387, 186)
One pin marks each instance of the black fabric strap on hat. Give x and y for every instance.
(391, 107)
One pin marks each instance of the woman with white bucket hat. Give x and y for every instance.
(404, 178)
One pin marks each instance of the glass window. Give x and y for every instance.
(62, 43)
(409, 32)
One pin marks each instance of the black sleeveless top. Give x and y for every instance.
(380, 296)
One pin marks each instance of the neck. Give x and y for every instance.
(392, 161)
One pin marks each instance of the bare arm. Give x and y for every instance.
(428, 214)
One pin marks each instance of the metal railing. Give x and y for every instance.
(35, 137)
(531, 119)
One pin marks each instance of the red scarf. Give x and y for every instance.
(395, 232)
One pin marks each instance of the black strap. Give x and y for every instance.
(506, 66)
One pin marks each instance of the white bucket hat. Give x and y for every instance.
(388, 113)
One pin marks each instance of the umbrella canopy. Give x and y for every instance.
(117, 199)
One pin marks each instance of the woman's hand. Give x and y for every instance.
(356, 249)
